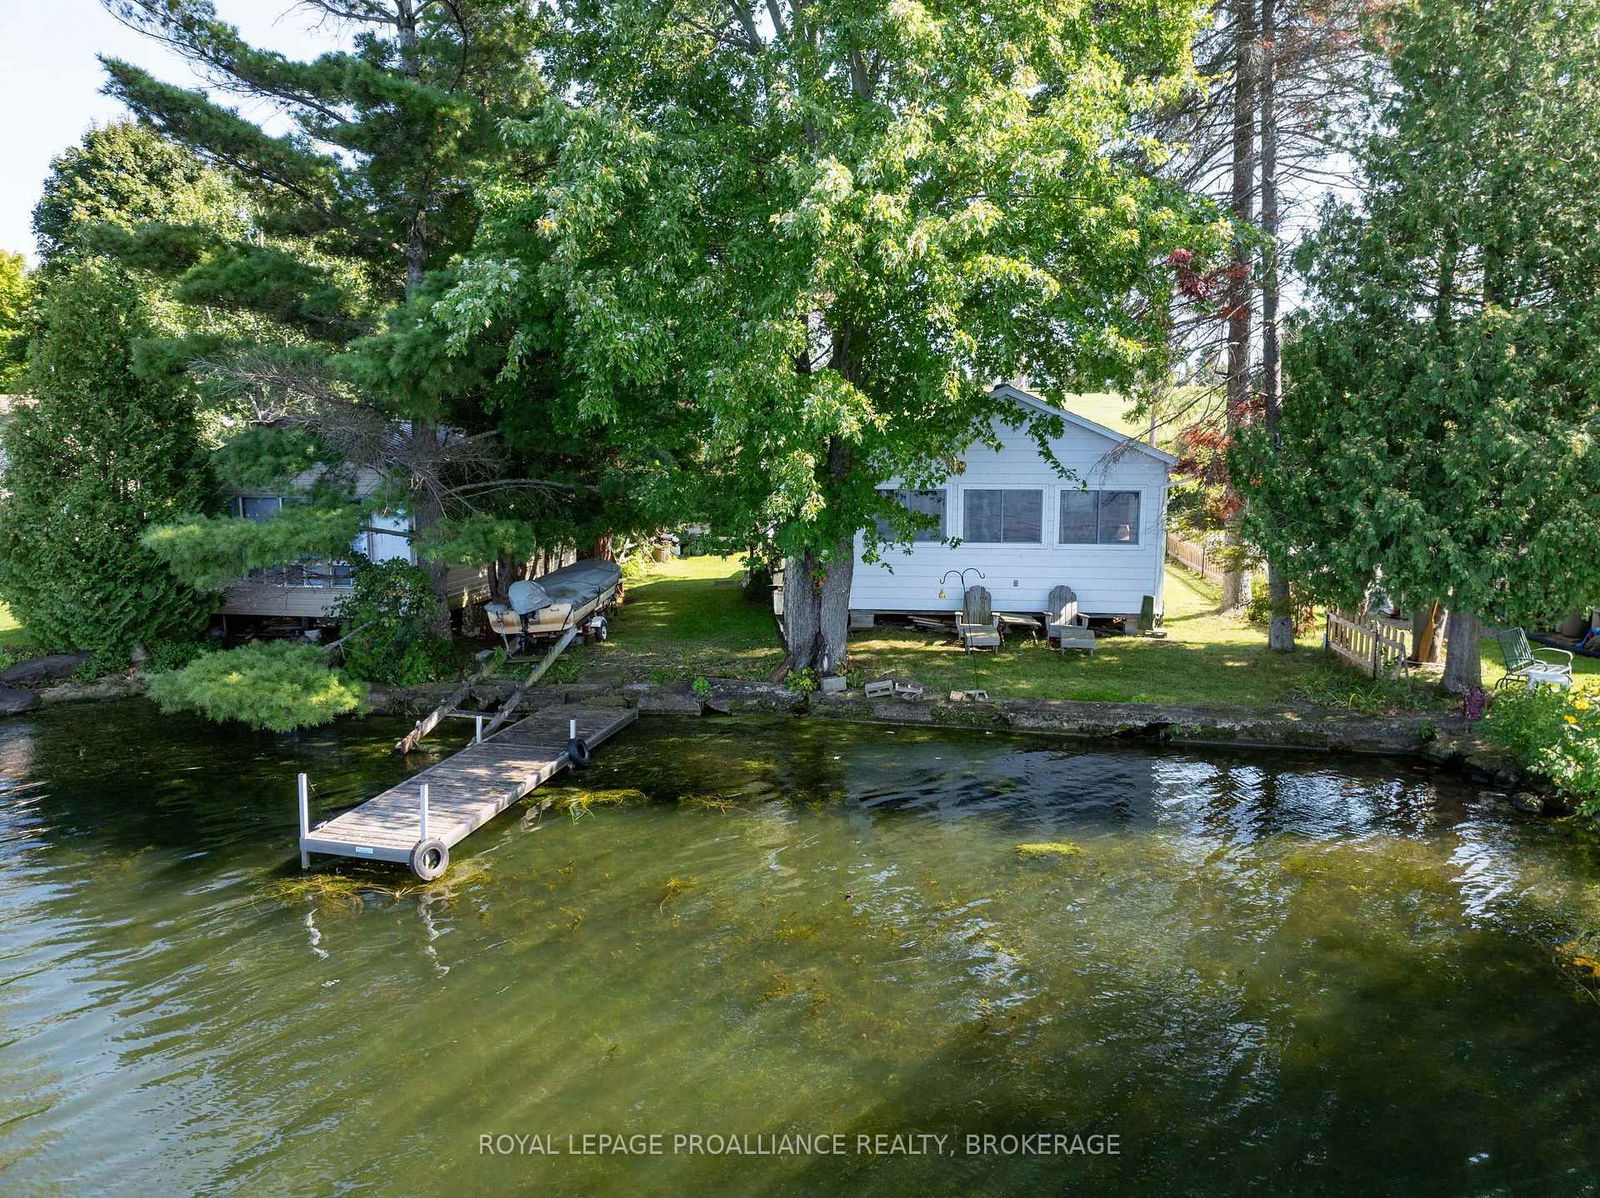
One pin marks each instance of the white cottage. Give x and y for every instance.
(1102, 532)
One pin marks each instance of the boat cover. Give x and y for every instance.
(580, 582)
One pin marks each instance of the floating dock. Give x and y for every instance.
(417, 822)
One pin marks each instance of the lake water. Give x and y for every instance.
(1281, 973)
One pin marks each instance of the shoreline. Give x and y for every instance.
(1445, 741)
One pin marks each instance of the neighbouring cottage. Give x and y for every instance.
(312, 588)
(1101, 532)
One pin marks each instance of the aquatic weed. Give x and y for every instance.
(1048, 850)
(675, 886)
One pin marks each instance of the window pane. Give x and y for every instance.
(385, 547)
(980, 515)
(1119, 517)
(927, 503)
(344, 574)
(259, 507)
(1022, 517)
(924, 503)
(1077, 517)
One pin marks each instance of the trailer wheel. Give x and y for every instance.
(430, 858)
(577, 753)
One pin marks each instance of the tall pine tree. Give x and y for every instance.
(374, 189)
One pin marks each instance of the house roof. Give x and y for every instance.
(1012, 391)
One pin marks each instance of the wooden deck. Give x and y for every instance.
(465, 791)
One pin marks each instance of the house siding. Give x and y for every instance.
(258, 597)
(1110, 580)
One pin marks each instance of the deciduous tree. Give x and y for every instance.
(822, 231)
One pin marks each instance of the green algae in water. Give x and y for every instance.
(1287, 974)
(1048, 851)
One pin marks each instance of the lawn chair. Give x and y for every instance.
(1523, 664)
(1064, 627)
(978, 627)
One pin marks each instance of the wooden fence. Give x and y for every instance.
(1195, 555)
(1375, 650)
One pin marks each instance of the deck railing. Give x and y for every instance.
(1377, 651)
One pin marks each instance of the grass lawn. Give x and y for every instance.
(689, 618)
(15, 640)
(1206, 659)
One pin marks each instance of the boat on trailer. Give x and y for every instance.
(574, 597)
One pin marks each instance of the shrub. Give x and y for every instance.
(1554, 734)
(277, 685)
(172, 655)
(389, 616)
(1302, 609)
(105, 451)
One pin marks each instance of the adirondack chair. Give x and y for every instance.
(1524, 664)
(978, 627)
(1064, 627)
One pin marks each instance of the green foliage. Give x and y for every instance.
(804, 682)
(389, 131)
(210, 551)
(1555, 734)
(1338, 687)
(701, 686)
(15, 289)
(479, 539)
(1302, 607)
(121, 176)
(372, 190)
(276, 685)
(172, 655)
(261, 457)
(809, 251)
(1443, 410)
(389, 614)
(102, 455)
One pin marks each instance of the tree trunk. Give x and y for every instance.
(1462, 667)
(425, 515)
(602, 549)
(816, 608)
(1280, 631)
(1426, 624)
(1236, 581)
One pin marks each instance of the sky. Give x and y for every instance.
(50, 83)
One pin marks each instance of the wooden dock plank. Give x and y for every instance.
(467, 789)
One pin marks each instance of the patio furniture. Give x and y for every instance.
(1526, 665)
(1064, 627)
(979, 636)
(977, 624)
(1027, 624)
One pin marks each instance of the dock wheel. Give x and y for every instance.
(430, 858)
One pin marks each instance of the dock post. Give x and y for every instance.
(477, 736)
(424, 812)
(572, 729)
(305, 821)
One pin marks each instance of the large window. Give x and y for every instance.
(257, 507)
(924, 503)
(1002, 516)
(1099, 518)
(309, 572)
